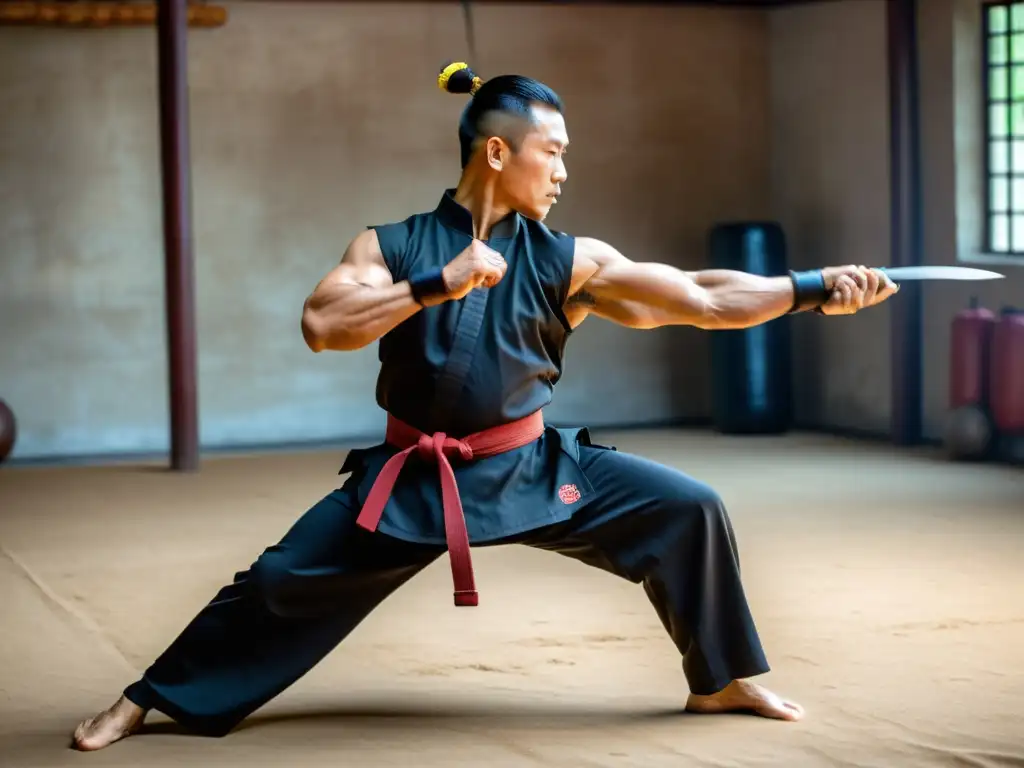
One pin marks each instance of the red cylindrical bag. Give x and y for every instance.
(1007, 373)
(970, 346)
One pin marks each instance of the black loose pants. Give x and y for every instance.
(645, 522)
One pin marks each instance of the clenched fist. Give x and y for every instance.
(477, 266)
(855, 288)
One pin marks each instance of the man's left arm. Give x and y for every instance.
(650, 295)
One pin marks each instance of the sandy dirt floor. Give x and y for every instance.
(888, 588)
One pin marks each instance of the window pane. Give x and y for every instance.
(997, 85)
(1017, 16)
(1018, 157)
(1017, 118)
(999, 156)
(1018, 233)
(1017, 48)
(1017, 199)
(998, 115)
(1000, 233)
(999, 199)
(997, 53)
(997, 19)
(1017, 83)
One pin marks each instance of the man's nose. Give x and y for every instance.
(560, 174)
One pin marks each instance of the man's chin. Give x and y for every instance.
(537, 214)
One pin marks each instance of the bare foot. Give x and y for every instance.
(743, 695)
(120, 721)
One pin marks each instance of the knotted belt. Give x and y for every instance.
(438, 448)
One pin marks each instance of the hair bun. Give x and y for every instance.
(457, 77)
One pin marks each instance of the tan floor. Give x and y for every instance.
(888, 587)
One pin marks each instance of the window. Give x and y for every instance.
(1003, 26)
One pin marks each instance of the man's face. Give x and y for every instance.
(530, 179)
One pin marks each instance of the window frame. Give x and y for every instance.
(1014, 210)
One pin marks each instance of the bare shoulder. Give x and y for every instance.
(363, 248)
(362, 263)
(589, 257)
(597, 251)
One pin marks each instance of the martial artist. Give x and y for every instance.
(472, 304)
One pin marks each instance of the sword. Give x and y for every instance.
(904, 274)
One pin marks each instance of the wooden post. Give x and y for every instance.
(178, 241)
(905, 202)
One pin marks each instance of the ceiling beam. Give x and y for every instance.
(660, 3)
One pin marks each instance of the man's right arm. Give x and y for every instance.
(357, 302)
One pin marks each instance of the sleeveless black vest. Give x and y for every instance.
(518, 355)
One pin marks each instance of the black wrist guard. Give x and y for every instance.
(428, 285)
(809, 291)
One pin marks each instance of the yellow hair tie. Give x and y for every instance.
(447, 72)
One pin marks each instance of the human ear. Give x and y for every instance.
(497, 153)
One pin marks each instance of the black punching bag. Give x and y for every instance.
(751, 373)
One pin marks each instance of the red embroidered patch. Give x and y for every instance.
(569, 494)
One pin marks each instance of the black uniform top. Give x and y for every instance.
(516, 362)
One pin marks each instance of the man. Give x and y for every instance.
(472, 304)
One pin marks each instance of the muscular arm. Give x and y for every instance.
(357, 302)
(649, 295)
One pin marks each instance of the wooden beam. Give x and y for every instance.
(101, 15)
(585, 3)
(177, 220)
(905, 202)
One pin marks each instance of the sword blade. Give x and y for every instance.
(903, 274)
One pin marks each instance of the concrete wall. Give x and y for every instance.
(679, 117)
(309, 122)
(830, 176)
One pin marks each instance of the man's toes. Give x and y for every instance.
(790, 713)
(82, 742)
(778, 709)
(81, 731)
(88, 737)
(783, 710)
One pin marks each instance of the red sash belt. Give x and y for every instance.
(438, 447)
